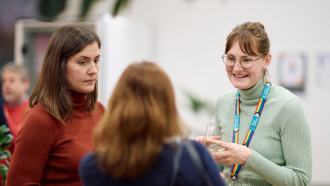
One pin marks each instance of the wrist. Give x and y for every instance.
(246, 155)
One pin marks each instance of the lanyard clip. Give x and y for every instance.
(233, 180)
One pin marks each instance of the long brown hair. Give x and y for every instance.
(141, 115)
(252, 37)
(51, 88)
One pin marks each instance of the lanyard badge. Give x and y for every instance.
(262, 100)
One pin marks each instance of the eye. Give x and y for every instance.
(230, 58)
(246, 60)
(82, 62)
(96, 60)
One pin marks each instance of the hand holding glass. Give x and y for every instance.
(213, 131)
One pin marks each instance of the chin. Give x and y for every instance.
(240, 85)
(88, 91)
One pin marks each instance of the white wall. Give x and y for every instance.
(123, 41)
(191, 37)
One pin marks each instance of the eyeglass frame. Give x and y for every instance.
(240, 62)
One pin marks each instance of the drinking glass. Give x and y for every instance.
(212, 130)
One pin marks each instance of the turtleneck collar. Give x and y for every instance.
(78, 99)
(251, 96)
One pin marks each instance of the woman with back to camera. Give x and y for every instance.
(134, 143)
(271, 135)
(57, 131)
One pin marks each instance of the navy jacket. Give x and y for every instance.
(159, 173)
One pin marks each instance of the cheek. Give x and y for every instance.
(228, 69)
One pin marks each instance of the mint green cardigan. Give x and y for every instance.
(281, 145)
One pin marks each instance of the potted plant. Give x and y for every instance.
(5, 139)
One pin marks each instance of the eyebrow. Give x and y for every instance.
(85, 57)
(241, 56)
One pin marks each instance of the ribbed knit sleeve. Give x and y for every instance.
(33, 146)
(296, 145)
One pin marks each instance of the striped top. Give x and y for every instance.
(281, 145)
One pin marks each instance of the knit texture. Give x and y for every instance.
(281, 145)
(47, 151)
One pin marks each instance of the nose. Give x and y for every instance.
(94, 69)
(237, 65)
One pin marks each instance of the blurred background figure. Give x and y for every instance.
(134, 143)
(15, 85)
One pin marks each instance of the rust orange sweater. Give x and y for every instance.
(47, 151)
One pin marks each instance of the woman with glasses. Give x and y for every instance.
(271, 141)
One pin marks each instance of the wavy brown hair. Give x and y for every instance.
(141, 115)
(252, 37)
(51, 88)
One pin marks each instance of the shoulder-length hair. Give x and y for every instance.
(51, 88)
(141, 115)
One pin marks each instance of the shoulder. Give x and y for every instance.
(198, 146)
(281, 92)
(227, 97)
(228, 94)
(283, 97)
(88, 160)
(88, 165)
(100, 107)
(38, 117)
(200, 149)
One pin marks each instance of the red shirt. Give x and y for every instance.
(47, 151)
(14, 116)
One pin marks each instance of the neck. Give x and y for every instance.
(255, 91)
(260, 78)
(78, 99)
(20, 101)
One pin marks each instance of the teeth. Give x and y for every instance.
(240, 76)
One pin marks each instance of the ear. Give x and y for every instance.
(268, 59)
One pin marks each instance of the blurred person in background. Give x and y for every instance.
(57, 131)
(280, 151)
(135, 141)
(15, 85)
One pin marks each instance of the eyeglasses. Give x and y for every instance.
(246, 62)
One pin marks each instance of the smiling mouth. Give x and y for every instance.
(240, 76)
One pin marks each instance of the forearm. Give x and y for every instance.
(275, 174)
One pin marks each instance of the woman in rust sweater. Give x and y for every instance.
(56, 132)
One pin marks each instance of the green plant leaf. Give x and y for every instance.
(4, 128)
(4, 171)
(8, 154)
(196, 104)
(6, 147)
(3, 155)
(85, 7)
(120, 5)
(6, 140)
(49, 9)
